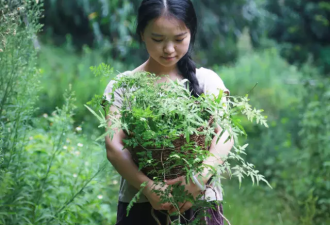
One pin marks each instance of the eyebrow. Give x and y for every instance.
(159, 35)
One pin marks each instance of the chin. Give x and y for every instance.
(169, 63)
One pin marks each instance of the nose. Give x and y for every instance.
(169, 48)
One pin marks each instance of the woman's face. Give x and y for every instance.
(167, 40)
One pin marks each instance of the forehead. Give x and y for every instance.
(166, 25)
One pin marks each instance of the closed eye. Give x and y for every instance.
(157, 40)
(162, 40)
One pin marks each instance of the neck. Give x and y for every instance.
(154, 67)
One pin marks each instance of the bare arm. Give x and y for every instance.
(219, 150)
(121, 160)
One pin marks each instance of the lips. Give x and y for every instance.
(169, 57)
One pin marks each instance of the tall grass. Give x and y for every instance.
(252, 205)
(293, 153)
(61, 66)
(50, 170)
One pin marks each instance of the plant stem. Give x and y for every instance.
(74, 196)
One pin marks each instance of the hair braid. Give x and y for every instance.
(188, 69)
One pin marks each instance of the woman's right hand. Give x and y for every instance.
(153, 198)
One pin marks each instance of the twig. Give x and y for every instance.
(161, 159)
(154, 216)
(73, 197)
(208, 186)
(252, 88)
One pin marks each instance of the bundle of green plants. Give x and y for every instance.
(169, 131)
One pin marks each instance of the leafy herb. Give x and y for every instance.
(156, 114)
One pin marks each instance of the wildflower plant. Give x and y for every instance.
(41, 181)
(19, 82)
(153, 115)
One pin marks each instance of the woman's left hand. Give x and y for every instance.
(192, 188)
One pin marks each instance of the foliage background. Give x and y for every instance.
(282, 46)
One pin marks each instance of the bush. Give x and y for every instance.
(63, 66)
(257, 206)
(64, 179)
(110, 27)
(44, 177)
(302, 29)
(18, 85)
(314, 140)
(294, 151)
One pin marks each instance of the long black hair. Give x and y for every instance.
(182, 10)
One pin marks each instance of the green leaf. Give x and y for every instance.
(236, 121)
(136, 197)
(218, 99)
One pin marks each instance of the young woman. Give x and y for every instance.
(167, 28)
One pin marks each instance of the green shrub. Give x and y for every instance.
(256, 205)
(302, 29)
(278, 93)
(314, 136)
(63, 66)
(110, 27)
(19, 79)
(45, 164)
(294, 151)
(67, 173)
(63, 178)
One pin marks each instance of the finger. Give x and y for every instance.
(182, 206)
(175, 209)
(174, 181)
(172, 210)
(185, 207)
(166, 206)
